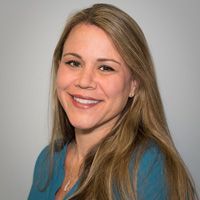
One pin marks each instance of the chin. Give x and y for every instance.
(83, 127)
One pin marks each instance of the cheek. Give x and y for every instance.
(118, 88)
(62, 79)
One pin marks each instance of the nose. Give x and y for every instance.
(86, 79)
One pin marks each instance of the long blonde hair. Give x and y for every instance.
(141, 121)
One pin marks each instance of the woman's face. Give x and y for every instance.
(93, 83)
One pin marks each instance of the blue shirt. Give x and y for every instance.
(151, 178)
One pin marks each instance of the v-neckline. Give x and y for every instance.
(62, 173)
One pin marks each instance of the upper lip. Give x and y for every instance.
(84, 97)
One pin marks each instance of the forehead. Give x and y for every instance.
(90, 38)
(84, 30)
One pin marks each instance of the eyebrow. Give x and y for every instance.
(99, 59)
(72, 54)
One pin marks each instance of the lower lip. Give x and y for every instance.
(83, 106)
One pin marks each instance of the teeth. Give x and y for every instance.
(85, 101)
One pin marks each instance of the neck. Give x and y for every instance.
(86, 139)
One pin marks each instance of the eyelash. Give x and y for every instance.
(106, 68)
(73, 63)
(102, 68)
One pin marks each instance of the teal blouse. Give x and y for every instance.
(151, 178)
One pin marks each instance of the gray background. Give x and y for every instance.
(29, 31)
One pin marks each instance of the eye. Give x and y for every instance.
(106, 68)
(73, 63)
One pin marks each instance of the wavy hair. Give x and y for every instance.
(141, 121)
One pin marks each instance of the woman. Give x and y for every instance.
(110, 139)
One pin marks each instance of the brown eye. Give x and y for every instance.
(73, 63)
(106, 68)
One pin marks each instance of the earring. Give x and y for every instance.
(131, 95)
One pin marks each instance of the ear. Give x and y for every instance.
(134, 85)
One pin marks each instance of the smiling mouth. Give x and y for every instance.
(85, 101)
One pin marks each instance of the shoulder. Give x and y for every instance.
(40, 175)
(42, 172)
(151, 156)
(151, 178)
(43, 155)
(41, 169)
(148, 156)
(45, 160)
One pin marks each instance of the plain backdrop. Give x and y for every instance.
(29, 31)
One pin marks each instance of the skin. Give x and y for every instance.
(92, 71)
(91, 67)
